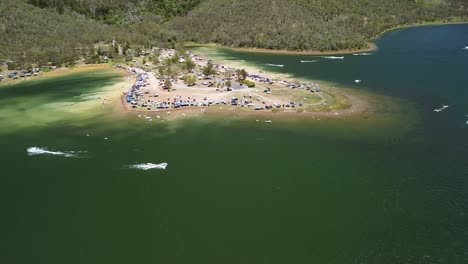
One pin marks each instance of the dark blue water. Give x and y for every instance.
(427, 67)
(426, 64)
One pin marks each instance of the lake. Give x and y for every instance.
(386, 189)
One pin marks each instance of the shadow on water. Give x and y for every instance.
(75, 97)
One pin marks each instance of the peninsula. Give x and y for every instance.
(185, 80)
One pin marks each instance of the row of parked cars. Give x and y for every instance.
(22, 74)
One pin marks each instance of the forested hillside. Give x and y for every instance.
(119, 11)
(58, 32)
(31, 35)
(306, 24)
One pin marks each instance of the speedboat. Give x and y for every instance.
(437, 110)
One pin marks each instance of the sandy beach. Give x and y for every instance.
(345, 104)
(55, 73)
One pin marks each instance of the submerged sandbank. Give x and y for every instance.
(78, 95)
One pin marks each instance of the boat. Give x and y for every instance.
(362, 54)
(357, 81)
(275, 65)
(333, 57)
(267, 121)
(437, 110)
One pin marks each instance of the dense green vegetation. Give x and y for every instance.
(119, 11)
(33, 36)
(306, 24)
(62, 32)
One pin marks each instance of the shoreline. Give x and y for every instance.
(340, 103)
(371, 48)
(56, 73)
(425, 24)
(365, 107)
(329, 88)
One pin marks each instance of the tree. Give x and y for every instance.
(189, 64)
(228, 84)
(209, 70)
(228, 74)
(168, 84)
(161, 70)
(155, 61)
(190, 79)
(125, 48)
(156, 53)
(172, 71)
(12, 65)
(241, 74)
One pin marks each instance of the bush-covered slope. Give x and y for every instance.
(31, 35)
(305, 24)
(119, 11)
(61, 31)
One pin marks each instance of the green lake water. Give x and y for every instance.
(389, 188)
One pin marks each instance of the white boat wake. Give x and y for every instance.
(274, 65)
(333, 57)
(308, 61)
(438, 110)
(362, 54)
(43, 151)
(149, 166)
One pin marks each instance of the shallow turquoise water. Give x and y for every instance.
(237, 191)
